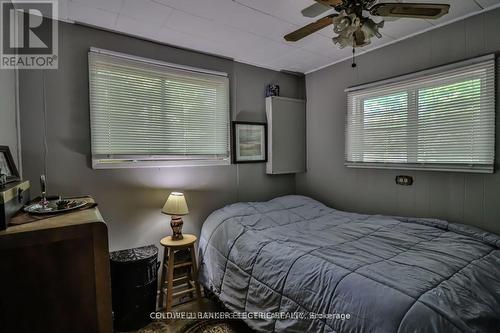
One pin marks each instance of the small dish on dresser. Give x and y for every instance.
(54, 206)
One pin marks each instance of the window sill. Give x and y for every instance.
(423, 167)
(145, 164)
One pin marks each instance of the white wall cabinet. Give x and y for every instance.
(286, 130)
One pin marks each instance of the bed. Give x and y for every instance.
(312, 268)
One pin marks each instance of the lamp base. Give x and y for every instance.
(176, 224)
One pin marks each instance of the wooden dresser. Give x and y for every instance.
(54, 275)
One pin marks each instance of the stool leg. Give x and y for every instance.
(195, 271)
(170, 279)
(189, 279)
(163, 279)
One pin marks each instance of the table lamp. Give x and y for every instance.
(176, 206)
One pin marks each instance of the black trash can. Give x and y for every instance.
(134, 275)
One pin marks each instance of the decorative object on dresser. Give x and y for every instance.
(55, 205)
(58, 268)
(8, 170)
(176, 206)
(13, 196)
(23, 217)
(286, 123)
(272, 90)
(134, 277)
(249, 142)
(52, 204)
(179, 270)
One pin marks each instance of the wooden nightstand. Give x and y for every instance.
(179, 275)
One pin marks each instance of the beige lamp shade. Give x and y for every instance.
(175, 205)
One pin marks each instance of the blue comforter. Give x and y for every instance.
(316, 269)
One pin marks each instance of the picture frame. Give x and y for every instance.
(8, 166)
(249, 142)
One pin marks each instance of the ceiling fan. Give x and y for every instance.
(352, 22)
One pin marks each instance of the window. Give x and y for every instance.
(145, 113)
(440, 119)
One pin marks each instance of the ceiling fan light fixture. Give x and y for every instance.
(344, 26)
(371, 29)
(341, 24)
(355, 31)
(342, 41)
(355, 25)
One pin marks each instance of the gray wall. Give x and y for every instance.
(130, 200)
(466, 198)
(8, 126)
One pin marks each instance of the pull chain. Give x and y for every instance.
(353, 58)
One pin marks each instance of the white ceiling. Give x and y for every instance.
(250, 31)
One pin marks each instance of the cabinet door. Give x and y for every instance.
(287, 135)
(56, 280)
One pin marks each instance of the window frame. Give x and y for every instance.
(412, 112)
(122, 161)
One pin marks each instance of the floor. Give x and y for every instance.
(177, 325)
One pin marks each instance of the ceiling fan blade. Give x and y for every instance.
(315, 9)
(331, 3)
(415, 10)
(310, 28)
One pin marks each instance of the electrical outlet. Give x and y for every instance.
(404, 180)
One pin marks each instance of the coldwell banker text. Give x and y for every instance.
(29, 35)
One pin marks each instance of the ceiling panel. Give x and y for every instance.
(239, 17)
(487, 3)
(286, 10)
(81, 12)
(319, 44)
(249, 31)
(238, 43)
(209, 9)
(404, 27)
(109, 5)
(298, 60)
(146, 10)
(458, 8)
(136, 27)
(207, 28)
(182, 39)
(171, 3)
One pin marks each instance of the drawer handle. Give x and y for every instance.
(20, 196)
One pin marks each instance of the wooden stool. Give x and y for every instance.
(168, 283)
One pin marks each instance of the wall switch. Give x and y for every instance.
(404, 180)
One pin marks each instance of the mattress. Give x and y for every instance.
(293, 264)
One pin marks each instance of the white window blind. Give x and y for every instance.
(440, 119)
(147, 113)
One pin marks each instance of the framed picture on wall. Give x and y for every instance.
(8, 168)
(249, 142)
